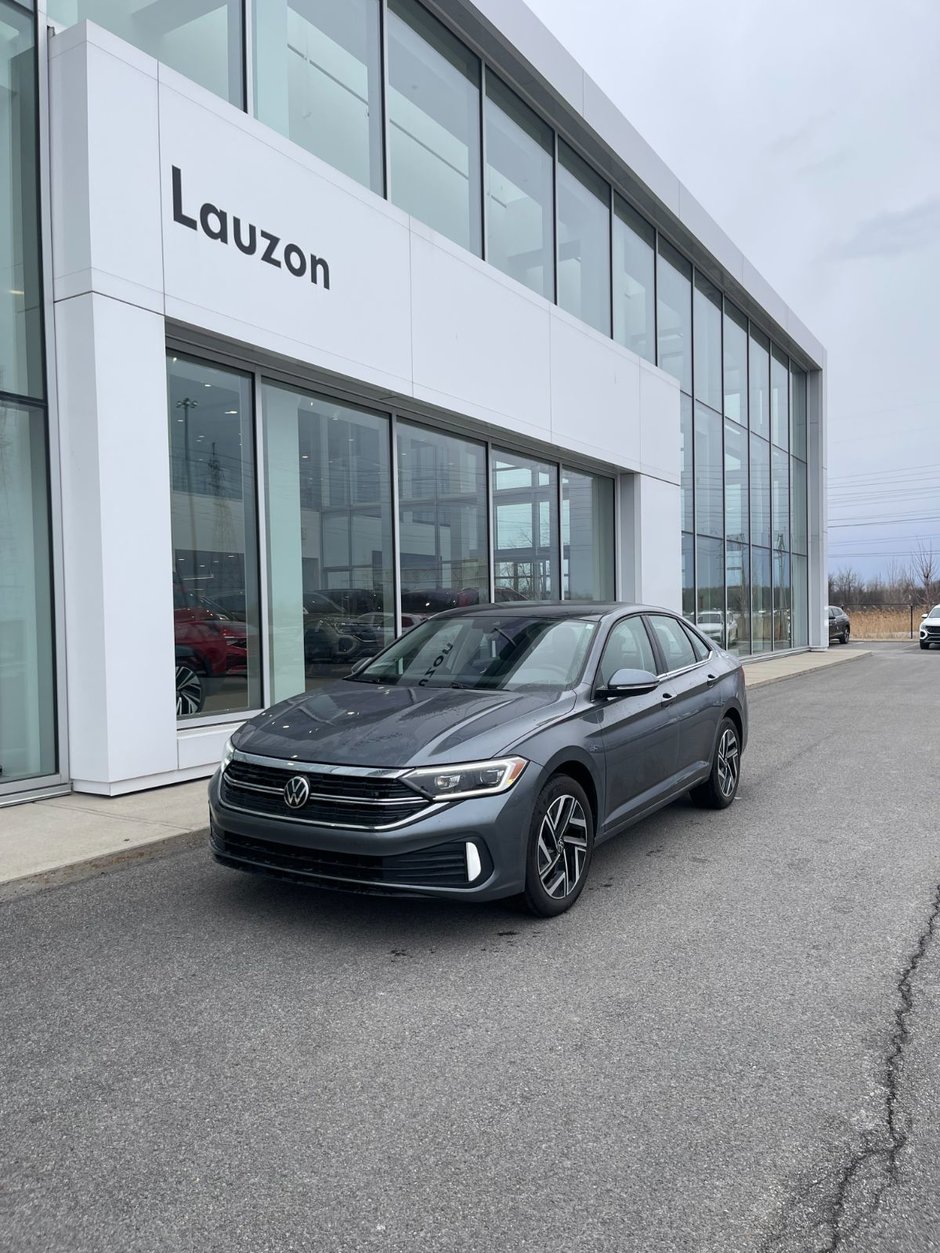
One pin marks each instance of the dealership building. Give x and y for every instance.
(319, 317)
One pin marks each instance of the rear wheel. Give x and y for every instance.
(190, 690)
(561, 843)
(721, 786)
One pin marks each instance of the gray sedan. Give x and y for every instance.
(484, 754)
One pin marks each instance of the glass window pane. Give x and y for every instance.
(21, 349)
(779, 399)
(525, 544)
(709, 473)
(634, 282)
(760, 383)
(27, 673)
(318, 80)
(442, 521)
(520, 233)
(673, 642)
(628, 648)
(798, 415)
(739, 605)
(674, 315)
(329, 537)
(587, 536)
(798, 525)
(687, 480)
(781, 501)
(799, 616)
(688, 576)
(761, 606)
(736, 483)
(215, 554)
(760, 491)
(735, 359)
(707, 340)
(583, 241)
(710, 592)
(434, 125)
(202, 41)
(781, 576)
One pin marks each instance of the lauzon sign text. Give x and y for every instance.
(249, 239)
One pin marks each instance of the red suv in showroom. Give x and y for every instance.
(209, 645)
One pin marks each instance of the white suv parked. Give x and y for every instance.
(930, 628)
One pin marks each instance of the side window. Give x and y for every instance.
(672, 639)
(699, 647)
(627, 648)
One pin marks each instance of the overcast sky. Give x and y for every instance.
(810, 131)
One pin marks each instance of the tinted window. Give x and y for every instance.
(699, 647)
(674, 642)
(627, 648)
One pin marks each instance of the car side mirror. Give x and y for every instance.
(923, 616)
(628, 683)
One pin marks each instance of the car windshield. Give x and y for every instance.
(486, 652)
(935, 612)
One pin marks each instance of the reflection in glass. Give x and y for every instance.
(709, 473)
(707, 340)
(21, 361)
(781, 501)
(215, 560)
(760, 491)
(634, 280)
(434, 125)
(202, 41)
(739, 605)
(688, 576)
(798, 415)
(329, 537)
(583, 241)
(736, 483)
(710, 592)
(800, 602)
(674, 315)
(318, 80)
(27, 673)
(587, 536)
(798, 526)
(779, 399)
(760, 383)
(520, 237)
(735, 360)
(781, 577)
(687, 479)
(442, 521)
(525, 514)
(761, 604)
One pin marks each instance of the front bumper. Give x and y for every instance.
(428, 856)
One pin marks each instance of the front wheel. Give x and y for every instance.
(190, 691)
(721, 786)
(844, 637)
(561, 843)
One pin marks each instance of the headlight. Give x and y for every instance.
(476, 778)
(228, 752)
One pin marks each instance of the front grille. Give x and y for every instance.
(336, 800)
(443, 866)
(932, 632)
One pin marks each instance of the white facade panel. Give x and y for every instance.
(595, 394)
(659, 429)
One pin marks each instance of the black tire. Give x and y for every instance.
(721, 786)
(844, 637)
(560, 848)
(190, 690)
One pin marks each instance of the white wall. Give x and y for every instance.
(407, 314)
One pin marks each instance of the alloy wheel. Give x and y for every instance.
(562, 846)
(729, 762)
(189, 695)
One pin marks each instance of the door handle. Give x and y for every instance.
(667, 697)
(711, 680)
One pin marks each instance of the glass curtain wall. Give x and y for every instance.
(587, 536)
(583, 241)
(28, 732)
(214, 528)
(634, 265)
(201, 40)
(434, 125)
(318, 80)
(525, 522)
(520, 203)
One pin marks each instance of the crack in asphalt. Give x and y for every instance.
(879, 1150)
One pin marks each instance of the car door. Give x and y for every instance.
(687, 683)
(638, 734)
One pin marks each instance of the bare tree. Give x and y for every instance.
(844, 586)
(924, 570)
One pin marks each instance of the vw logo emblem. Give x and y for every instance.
(297, 792)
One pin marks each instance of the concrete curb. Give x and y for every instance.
(101, 863)
(755, 679)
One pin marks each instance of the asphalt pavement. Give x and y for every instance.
(732, 1043)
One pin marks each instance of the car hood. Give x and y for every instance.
(358, 724)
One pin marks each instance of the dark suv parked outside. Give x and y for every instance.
(839, 625)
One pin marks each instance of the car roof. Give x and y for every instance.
(551, 609)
